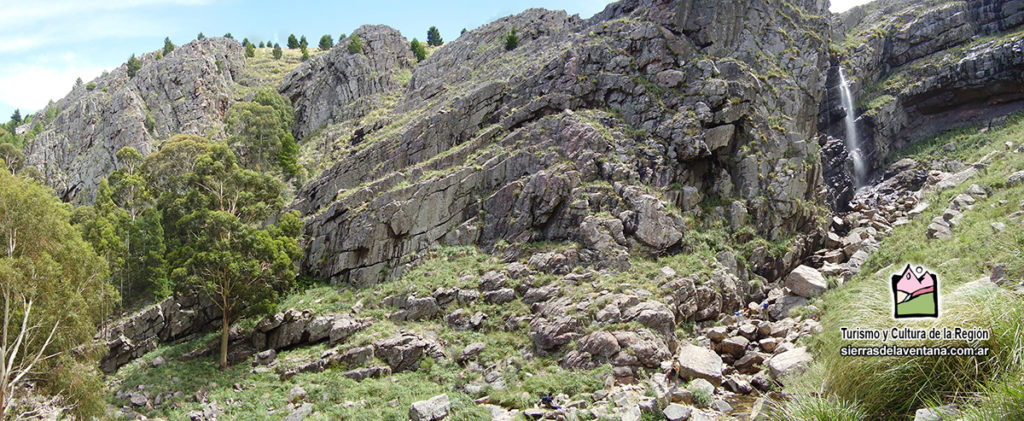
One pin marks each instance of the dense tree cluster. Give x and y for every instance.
(47, 265)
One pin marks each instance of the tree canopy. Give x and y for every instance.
(434, 37)
(418, 50)
(45, 260)
(326, 42)
(355, 45)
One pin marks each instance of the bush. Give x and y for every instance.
(133, 65)
(228, 36)
(168, 46)
(511, 40)
(305, 53)
(90, 86)
(201, 37)
(355, 45)
(293, 42)
(250, 51)
(277, 52)
(326, 42)
(434, 37)
(418, 49)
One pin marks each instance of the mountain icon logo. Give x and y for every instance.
(915, 293)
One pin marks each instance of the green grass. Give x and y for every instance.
(264, 69)
(816, 408)
(897, 386)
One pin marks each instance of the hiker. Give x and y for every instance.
(549, 402)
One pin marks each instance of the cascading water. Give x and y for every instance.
(852, 142)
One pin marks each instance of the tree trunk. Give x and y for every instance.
(224, 341)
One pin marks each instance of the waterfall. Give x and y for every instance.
(852, 141)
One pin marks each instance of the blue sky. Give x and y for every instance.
(45, 46)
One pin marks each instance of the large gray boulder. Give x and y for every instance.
(806, 281)
(699, 363)
(789, 363)
(433, 409)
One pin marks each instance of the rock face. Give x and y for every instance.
(517, 145)
(188, 91)
(171, 319)
(340, 85)
(918, 68)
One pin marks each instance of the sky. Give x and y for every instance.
(45, 46)
(839, 6)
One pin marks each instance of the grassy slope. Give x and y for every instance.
(244, 395)
(895, 387)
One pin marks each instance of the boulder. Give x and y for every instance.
(404, 351)
(676, 412)
(789, 363)
(433, 409)
(735, 346)
(699, 363)
(806, 281)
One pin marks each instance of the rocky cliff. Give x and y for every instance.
(623, 124)
(188, 91)
(920, 68)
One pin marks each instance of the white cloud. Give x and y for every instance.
(32, 86)
(32, 12)
(839, 6)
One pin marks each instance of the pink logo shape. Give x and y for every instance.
(915, 285)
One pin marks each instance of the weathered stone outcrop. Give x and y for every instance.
(171, 319)
(340, 85)
(188, 91)
(518, 146)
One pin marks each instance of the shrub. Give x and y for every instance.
(305, 53)
(511, 40)
(168, 46)
(200, 37)
(228, 36)
(326, 42)
(90, 86)
(418, 50)
(434, 37)
(250, 51)
(277, 52)
(355, 45)
(133, 66)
